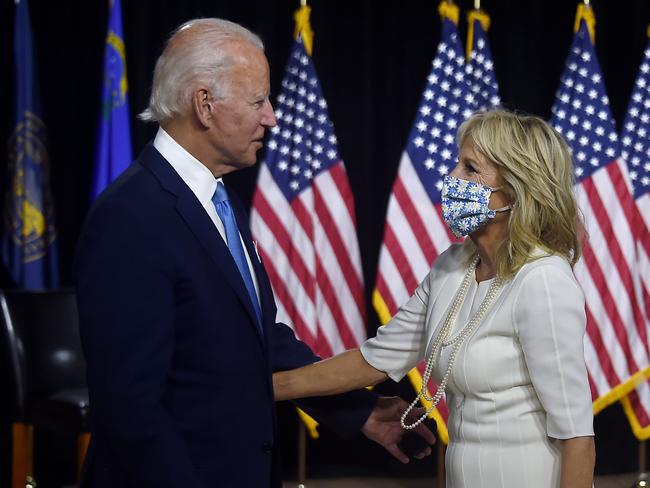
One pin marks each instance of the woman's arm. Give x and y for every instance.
(345, 372)
(578, 459)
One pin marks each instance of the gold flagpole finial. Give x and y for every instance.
(303, 26)
(473, 16)
(449, 10)
(477, 4)
(586, 13)
(303, 3)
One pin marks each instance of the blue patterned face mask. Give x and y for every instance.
(465, 205)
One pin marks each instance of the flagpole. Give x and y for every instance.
(642, 479)
(642, 449)
(302, 454)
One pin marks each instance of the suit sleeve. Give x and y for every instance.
(550, 317)
(126, 309)
(346, 413)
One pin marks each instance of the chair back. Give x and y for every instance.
(42, 347)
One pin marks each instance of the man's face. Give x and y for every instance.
(241, 118)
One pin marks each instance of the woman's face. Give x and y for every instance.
(474, 166)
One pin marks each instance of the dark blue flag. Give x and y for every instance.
(29, 242)
(114, 139)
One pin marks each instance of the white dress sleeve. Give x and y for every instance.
(549, 314)
(399, 345)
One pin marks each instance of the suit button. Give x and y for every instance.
(267, 447)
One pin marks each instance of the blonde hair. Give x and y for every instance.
(536, 165)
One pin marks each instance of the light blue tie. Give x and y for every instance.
(224, 210)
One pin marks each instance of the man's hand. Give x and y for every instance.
(383, 427)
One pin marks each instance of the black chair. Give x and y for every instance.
(47, 374)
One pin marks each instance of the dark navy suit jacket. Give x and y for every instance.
(178, 372)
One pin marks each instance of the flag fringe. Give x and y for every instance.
(641, 433)
(622, 390)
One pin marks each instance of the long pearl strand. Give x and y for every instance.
(457, 341)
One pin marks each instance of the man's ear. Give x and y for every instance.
(203, 106)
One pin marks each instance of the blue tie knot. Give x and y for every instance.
(220, 194)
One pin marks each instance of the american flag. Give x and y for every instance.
(415, 233)
(616, 350)
(635, 138)
(304, 220)
(480, 67)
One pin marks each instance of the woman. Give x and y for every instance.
(499, 320)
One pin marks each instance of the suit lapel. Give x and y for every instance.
(196, 218)
(263, 284)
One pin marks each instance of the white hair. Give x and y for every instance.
(203, 59)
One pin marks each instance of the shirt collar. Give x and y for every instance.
(194, 173)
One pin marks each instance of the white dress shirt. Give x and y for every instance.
(202, 183)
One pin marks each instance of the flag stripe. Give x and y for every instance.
(340, 243)
(603, 362)
(393, 288)
(431, 215)
(619, 301)
(290, 246)
(597, 316)
(288, 302)
(340, 179)
(619, 234)
(298, 305)
(398, 255)
(332, 306)
(415, 221)
(610, 308)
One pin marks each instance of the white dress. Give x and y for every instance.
(519, 381)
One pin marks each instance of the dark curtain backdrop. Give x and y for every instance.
(372, 59)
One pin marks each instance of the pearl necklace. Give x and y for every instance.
(457, 341)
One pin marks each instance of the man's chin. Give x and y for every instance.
(247, 162)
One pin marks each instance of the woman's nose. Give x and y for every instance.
(456, 171)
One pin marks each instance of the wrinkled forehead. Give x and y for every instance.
(248, 74)
(244, 52)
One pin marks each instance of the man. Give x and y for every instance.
(176, 310)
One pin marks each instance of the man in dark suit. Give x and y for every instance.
(177, 314)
